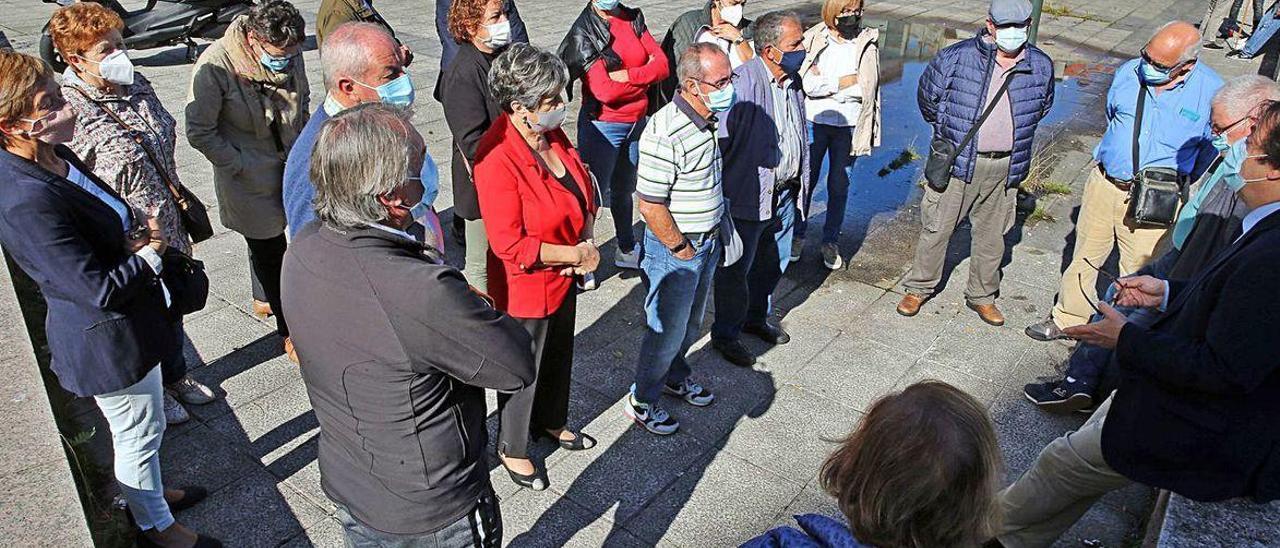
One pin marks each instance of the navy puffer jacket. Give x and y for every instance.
(954, 87)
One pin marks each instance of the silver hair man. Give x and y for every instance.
(526, 75)
(1240, 96)
(362, 155)
(768, 29)
(348, 50)
(692, 61)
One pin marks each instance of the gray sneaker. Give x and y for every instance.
(653, 418)
(691, 392)
(831, 256)
(1045, 331)
(174, 412)
(190, 391)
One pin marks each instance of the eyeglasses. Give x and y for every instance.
(1219, 131)
(722, 83)
(1086, 293)
(1163, 68)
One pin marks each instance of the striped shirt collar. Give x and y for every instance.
(703, 123)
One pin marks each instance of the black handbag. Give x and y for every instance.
(193, 213)
(186, 280)
(942, 154)
(1156, 192)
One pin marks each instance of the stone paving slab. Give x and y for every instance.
(735, 468)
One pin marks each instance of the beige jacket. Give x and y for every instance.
(866, 134)
(244, 118)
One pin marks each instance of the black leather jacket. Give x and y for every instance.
(589, 40)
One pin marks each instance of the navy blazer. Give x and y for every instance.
(1196, 409)
(107, 323)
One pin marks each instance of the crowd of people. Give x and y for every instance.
(717, 136)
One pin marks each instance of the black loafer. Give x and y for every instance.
(580, 441)
(734, 352)
(191, 495)
(537, 481)
(772, 334)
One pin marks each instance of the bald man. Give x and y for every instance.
(1176, 134)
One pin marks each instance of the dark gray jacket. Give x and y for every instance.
(396, 351)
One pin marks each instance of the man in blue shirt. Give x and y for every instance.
(1176, 133)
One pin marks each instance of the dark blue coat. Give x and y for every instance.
(953, 90)
(107, 323)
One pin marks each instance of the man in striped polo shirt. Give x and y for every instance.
(681, 202)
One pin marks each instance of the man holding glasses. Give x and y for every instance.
(1173, 132)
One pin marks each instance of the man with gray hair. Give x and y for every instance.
(362, 63)
(1209, 223)
(396, 350)
(1175, 92)
(680, 198)
(766, 178)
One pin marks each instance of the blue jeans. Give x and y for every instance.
(1262, 34)
(480, 528)
(611, 150)
(766, 252)
(833, 144)
(674, 306)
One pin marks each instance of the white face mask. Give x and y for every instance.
(499, 34)
(115, 68)
(731, 14)
(549, 120)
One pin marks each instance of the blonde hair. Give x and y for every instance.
(832, 8)
(920, 471)
(21, 77)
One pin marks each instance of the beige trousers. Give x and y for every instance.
(1100, 226)
(1067, 478)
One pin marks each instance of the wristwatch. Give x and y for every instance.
(679, 248)
(739, 41)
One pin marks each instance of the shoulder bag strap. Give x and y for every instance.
(174, 188)
(990, 107)
(1137, 126)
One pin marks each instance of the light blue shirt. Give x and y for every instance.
(1176, 132)
(1257, 215)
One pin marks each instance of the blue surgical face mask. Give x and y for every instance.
(720, 100)
(1011, 39)
(607, 5)
(1220, 142)
(275, 64)
(1233, 162)
(791, 61)
(398, 92)
(1153, 76)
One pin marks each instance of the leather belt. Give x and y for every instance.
(995, 155)
(1121, 184)
(699, 238)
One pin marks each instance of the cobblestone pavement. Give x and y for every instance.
(750, 461)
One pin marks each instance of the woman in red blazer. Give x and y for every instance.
(538, 204)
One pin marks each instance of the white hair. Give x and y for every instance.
(348, 49)
(361, 154)
(1243, 94)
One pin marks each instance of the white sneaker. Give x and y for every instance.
(190, 391)
(174, 412)
(629, 260)
(831, 256)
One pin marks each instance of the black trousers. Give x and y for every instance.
(544, 405)
(174, 367)
(265, 259)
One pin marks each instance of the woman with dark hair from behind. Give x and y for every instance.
(920, 471)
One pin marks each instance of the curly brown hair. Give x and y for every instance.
(464, 18)
(77, 27)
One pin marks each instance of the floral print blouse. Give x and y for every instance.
(112, 153)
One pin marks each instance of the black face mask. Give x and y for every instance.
(848, 25)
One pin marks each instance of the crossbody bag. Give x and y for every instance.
(942, 153)
(1156, 192)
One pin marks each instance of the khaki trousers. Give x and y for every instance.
(1100, 226)
(1067, 478)
(990, 205)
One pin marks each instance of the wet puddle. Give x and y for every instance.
(886, 181)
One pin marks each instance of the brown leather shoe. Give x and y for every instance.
(910, 304)
(262, 309)
(289, 350)
(988, 312)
